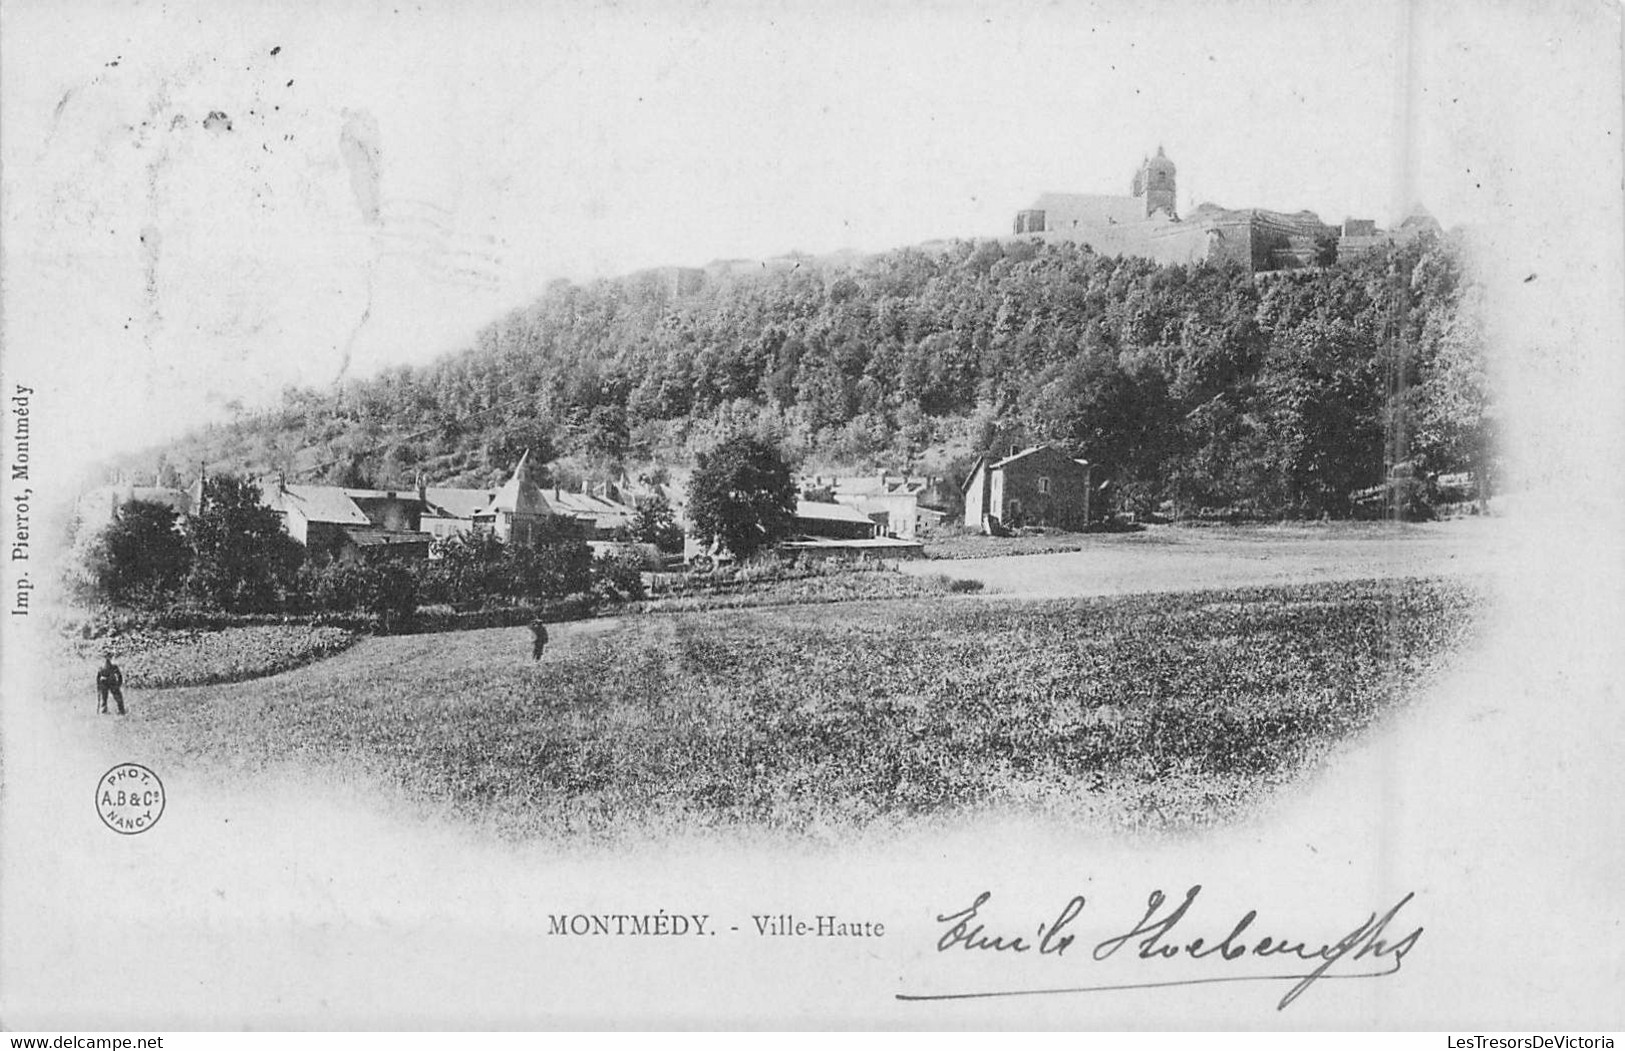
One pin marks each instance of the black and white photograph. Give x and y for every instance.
(1092, 516)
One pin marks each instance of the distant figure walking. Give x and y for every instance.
(538, 632)
(109, 680)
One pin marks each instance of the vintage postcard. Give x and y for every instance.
(1088, 516)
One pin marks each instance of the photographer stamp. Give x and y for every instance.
(130, 799)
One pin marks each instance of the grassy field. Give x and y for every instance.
(1145, 712)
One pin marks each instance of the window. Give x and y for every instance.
(1043, 484)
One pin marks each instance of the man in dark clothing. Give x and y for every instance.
(538, 632)
(109, 680)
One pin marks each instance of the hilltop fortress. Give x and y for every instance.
(1145, 223)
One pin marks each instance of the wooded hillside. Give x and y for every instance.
(1274, 395)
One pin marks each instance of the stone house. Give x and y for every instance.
(349, 525)
(1040, 485)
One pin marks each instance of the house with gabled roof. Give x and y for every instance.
(1039, 485)
(597, 515)
(349, 524)
(840, 529)
(448, 512)
(891, 500)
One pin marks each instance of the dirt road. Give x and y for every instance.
(1173, 558)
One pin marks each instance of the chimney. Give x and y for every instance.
(423, 489)
(1014, 449)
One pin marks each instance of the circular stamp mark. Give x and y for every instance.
(130, 799)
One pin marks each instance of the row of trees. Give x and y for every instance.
(1199, 384)
(233, 555)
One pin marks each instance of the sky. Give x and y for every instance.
(206, 202)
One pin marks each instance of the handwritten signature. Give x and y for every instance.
(1370, 943)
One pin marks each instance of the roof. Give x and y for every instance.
(981, 461)
(519, 495)
(317, 503)
(179, 499)
(601, 510)
(1419, 217)
(830, 512)
(406, 493)
(1030, 450)
(385, 537)
(870, 484)
(456, 503)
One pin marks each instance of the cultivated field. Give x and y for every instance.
(156, 659)
(1146, 712)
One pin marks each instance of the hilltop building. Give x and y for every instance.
(1145, 222)
(1359, 236)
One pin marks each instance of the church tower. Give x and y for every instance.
(1154, 180)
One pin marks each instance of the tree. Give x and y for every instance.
(468, 570)
(477, 569)
(241, 554)
(742, 494)
(1326, 249)
(389, 592)
(1454, 414)
(386, 589)
(1322, 402)
(656, 524)
(140, 558)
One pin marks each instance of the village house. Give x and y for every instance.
(517, 511)
(448, 512)
(348, 525)
(839, 529)
(598, 516)
(100, 507)
(833, 521)
(1039, 485)
(893, 502)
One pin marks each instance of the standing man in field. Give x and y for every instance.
(109, 680)
(538, 632)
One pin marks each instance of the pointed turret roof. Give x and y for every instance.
(519, 495)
